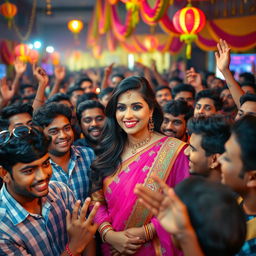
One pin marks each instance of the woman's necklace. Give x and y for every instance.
(135, 146)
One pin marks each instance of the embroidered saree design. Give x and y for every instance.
(165, 158)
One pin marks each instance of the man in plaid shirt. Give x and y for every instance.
(71, 165)
(35, 214)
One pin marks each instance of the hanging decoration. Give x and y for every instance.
(75, 26)
(21, 51)
(122, 31)
(33, 56)
(25, 37)
(55, 58)
(48, 9)
(151, 43)
(8, 10)
(6, 52)
(153, 15)
(189, 21)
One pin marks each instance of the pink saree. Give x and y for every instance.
(119, 204)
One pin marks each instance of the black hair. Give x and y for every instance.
(183, 88)
(73, 89)
(84, 79)
(23, 150)
(85, 97)
(22, 87)
(105, 91)
(162, 87)
(248, 77)
(118, 75)
(245, 133)
(211, 94)
(176, 79)
(178, 107)
(215, 215)
(89, 104)
(247, 97)
(16, 109)
(113, 137)
(215, 131)
(249, 83)
(58, 97)
(44, 115)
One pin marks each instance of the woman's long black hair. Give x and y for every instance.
(108, 153)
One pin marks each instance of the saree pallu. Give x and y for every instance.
(119, 204)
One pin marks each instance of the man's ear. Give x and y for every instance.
(214, 161)
(251, 179)
(4, 174)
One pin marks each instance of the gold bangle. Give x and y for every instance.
(104, 233)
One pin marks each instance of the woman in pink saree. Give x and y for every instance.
(131, 151)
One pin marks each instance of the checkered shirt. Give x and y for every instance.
(77, 177)
(24, 233)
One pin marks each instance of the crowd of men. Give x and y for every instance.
(49, 131)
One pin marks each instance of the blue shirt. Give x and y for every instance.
(77, 177)
(24, 233)
(249, 247)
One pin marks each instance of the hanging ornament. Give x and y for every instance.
(8, 10)
(75, 26)
(48, 10)
(151, 43)
(188, 22)
(33, 56)
(21, 51)
(55, 57)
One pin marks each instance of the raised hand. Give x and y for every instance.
(20, 67)
(222, 56)
(81, 229)
(167, 207)
(40, 75)
(6, 93)
(194, 79)
(59, 73)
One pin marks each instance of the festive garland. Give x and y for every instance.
(153, 15)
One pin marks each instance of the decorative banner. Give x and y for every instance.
(239, 33)
(153, 15)
(123, 31)
(105, 17)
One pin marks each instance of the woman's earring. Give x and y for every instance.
(151, 125)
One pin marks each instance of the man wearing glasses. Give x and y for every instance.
(35, 214)
(71, 165)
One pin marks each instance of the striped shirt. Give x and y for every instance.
(77, 177)
(24, 233)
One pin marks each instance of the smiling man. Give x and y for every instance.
(176, 115)
(91, 117)
(71, 165)
(33, 217)
(208, 136)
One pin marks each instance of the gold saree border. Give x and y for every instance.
(161, 167)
